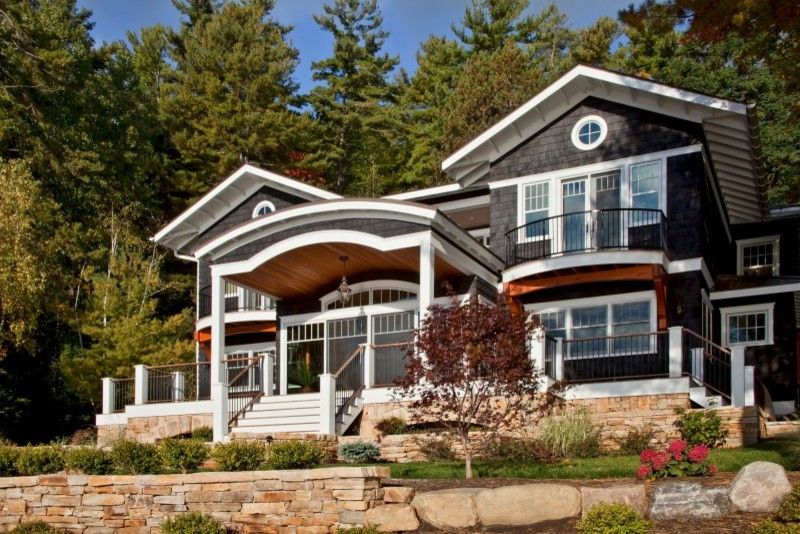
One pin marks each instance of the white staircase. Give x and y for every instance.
(281, 414)
(346, 417)
(704, 397)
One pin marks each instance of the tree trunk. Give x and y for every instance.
(467, 457)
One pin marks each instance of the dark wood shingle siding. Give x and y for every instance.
(631, 132)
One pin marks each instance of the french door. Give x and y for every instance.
(590, 212)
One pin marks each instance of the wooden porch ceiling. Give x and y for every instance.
(315, 269)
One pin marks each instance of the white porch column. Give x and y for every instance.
(108, 395)
(675, 351)
(697, 364)
(737, 377)
(140, 384)
(219, 380)
(558, 362)
(327, 415)
(427, 275)
(268, 374)
(283, 361)
(749, 385)
(537, 350)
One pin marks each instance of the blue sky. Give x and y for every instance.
(409, 22)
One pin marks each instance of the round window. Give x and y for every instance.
(263, 208)
(589, 132)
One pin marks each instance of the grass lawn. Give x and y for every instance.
(614, 466)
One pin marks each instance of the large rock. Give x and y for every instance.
(759, 487)
(633, 495)
(397, 494)
(688, 500)
(447, 509)
(527, 504)
(392, 518)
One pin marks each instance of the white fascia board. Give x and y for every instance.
(754, 291)
(283, 183)
(169, 408)
(586, 259)
(627, 388)
(463, 204)
(423, 193)
(634, 84)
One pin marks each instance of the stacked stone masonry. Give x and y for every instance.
(292, 502)
(152, 429)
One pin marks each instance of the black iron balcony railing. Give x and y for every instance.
(244, 300)
(587, 231)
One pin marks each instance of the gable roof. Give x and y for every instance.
(225, 197)
(725, 123)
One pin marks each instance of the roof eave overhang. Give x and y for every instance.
(730, 140)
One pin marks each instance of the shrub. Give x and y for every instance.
(701, 427)
(295, 454)
(789, 510)
(360, 451)
(8, 460)
(679, 460)
(192, 523)
(572, 435)
(390, 426)
(606, 518)
(34, 527)
(636, 440)
(134, 458)
(518, 450)
(436, 448)
(184, 455)
(239, 456)
(203, 433)
(358, 530)
(773, 527)
(84, 436)
(39, 460)
(89, 461)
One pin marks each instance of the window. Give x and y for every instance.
(554, 323)
(589, 132)
(646, 185)
(631, 322)
(265, 207)
(537, 206)
(365, 297)
(759, 256)
(747, 325)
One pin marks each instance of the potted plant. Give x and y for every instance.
(305, 376)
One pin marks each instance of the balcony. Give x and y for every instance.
(237, 299)
(587, 231)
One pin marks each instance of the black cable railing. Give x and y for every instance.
(244, 300)
(608, 229)
(616, 357)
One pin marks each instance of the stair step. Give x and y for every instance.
(248, 420)
(286, 406)
(271, 412)
(290, 398)
(277, 429)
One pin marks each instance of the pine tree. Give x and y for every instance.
(488, 24)
(354, 138)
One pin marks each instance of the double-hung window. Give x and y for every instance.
(536, 209)
(748, 325)
(759, 256)
(646, 185)
(630, 326)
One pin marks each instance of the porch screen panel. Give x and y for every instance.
(344, 337)
(389, 334)
(305, 349)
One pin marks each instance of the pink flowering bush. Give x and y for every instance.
(678, 460)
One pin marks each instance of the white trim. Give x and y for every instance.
(108, 419)
(767, 308)
(597, 168)
(755, 291)
(585, 259)
(583, 121)
(627, 388)
(634, 84)
(238, 317)
(283, 182)
(347, 313)
(313, 238)
(430, 191)
(464, 203)
(614, 298)
(690, 265)
(254, 347)
(370, 285)
(462, 261)
(263, 204)
(774, 240)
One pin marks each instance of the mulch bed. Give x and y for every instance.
(737, 522)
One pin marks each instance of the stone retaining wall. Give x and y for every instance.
(152, 429)
(295, 502)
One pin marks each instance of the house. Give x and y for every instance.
(627, 215)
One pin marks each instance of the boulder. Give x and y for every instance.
(634, 495)
(392, 518)
(672, 500)
(759, 487)
(447, 509)
(397, 494)
(527, 504)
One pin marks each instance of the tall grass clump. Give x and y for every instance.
(571, 435)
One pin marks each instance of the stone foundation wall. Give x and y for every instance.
(152, 429)
(774, 429)
(296, 502)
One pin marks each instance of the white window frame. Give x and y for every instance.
(552, 209)
(482, 235)
(775, 240)
(607, 300)
(370, 286)
(580, 145)
(767, 308)
(263, 204)
(662, 186)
